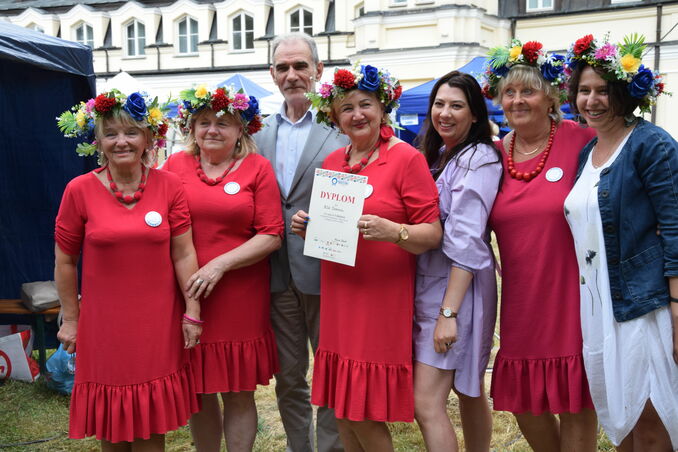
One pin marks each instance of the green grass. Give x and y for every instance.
(33, 412)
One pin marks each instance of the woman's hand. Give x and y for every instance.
(202, 282)
(379, 229)
(67, 335)
(445, 334)
(192, 334)
(299, 222)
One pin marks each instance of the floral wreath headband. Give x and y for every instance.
(502, 59)
(221, 100)
(79, 120)
(363, 77)
(621, 62)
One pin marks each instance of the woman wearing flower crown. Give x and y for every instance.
(538, 372)
(132, 226)
(234, 201)
(627, 186)
(363, 365)
(456, 295)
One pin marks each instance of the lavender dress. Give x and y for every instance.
(467, 187)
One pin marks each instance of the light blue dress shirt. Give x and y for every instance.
(289, 145)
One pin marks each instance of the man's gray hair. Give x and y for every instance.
(296, 36)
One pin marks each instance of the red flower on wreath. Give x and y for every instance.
(162, 129)
(344, 79)
(220, 100)
(531, 51)
(397, 92)
(486, 91)
(254, 126)
(582, 44)
(103, 103)
(660, 88)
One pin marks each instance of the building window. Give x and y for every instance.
(539, 5)
(301, 20)
(136, 38)
(398, 3)
(360, 10)
(243, 32)
(188, 35)
(84, 35)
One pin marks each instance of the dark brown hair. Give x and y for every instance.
(430, 142)
(620, 100)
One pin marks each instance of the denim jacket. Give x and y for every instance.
(637, 194)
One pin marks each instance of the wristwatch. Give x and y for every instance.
(403, 234)
(448, 313)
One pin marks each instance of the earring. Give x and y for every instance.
(629, 120)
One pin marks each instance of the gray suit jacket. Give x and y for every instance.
(289, 261)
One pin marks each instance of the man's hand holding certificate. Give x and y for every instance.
(336, 205)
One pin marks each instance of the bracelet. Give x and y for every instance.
(193, 321)
(673, 300)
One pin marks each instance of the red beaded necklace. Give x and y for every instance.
(203, 177)
(528, 176)
(127, 199)
(355, 169)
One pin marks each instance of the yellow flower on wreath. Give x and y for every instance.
(154, 116)
(201, 92)
(629, 63)
(515, 52)
(81, 118)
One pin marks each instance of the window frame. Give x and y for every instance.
(540, 6)
(189, 38)
(139, 50)
(243, 32)
(301, 11)
(84, 26)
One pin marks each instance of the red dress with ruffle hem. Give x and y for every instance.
(539, 367)
(363, 365)
(132, 376)
(237, 349)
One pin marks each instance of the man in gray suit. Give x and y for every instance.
(296, 145)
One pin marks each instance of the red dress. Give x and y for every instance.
(133, 376)
(237, 348)
(363, 365)
(539, 366)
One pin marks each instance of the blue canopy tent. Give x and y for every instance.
(248, 86)
(40, 76)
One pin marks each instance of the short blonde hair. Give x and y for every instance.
(531, 77)
(244, 146)
(121, 116)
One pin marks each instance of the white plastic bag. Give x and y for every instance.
(16, 344)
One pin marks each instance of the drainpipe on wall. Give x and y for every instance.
(329, 48)
(513, 29)
(157, 52)
(212, 54)
(657, 50)
(106, 52)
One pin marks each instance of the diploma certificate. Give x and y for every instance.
(336, 204)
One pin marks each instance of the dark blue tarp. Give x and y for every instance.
(40, 76)
(240, 82)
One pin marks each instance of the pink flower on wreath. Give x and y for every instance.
(325, 90)
(606, 52)
(240, 102)
(89, 106)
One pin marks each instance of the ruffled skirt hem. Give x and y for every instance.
(361, 390)
(135, 411)
(234, 366)
(548, 385)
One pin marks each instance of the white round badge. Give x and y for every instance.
(232, 188)
(153, 219)
(554, 174)
(369, 189)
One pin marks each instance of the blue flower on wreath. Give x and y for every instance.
(500, 71)
(135, 106)
(641, 82)
(370, 80)
(252, 110)
(553, 67)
